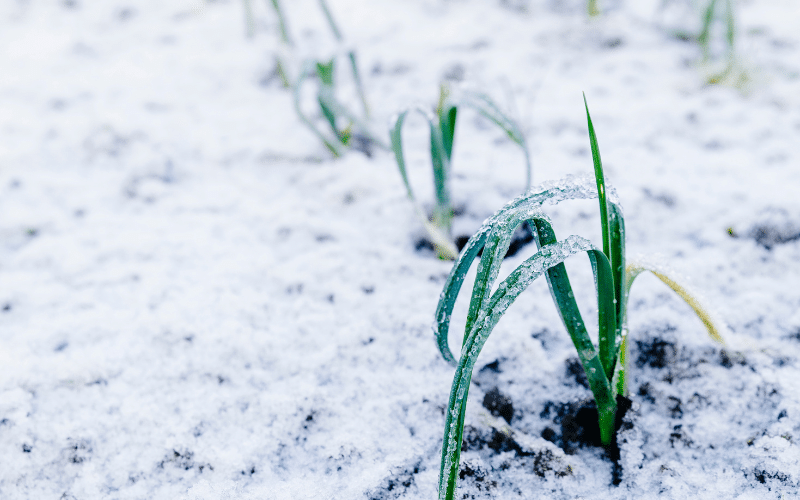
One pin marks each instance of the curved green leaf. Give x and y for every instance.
(547, 257)
(452, 286)
(308, 68)
(527, 207)
(634, 269)
(564, 299)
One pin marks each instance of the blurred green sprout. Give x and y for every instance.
(345, 127)
(442, 124)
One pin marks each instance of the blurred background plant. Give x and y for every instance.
(442, 125)
(592, 8)
(348, 129)
(715, 33)
(717, 40)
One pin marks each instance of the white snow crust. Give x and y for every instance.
(197, 302)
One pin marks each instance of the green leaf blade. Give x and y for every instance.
(546, 258)
(439, 230)
(396, 140)
(328, 114)
(452, 287)
(606, 308)
(494, 252)
(599, 370)
(712, 324)
(442, 212)
(282, 23)
(601, 183)
(308, 68)
(617, 260)
(337, 33)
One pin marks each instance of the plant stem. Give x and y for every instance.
(282, 23)
(359, 85)
(334, 28)
(280, 68)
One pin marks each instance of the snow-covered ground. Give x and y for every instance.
(198, 302)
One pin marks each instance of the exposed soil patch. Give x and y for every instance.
(773, 227)
(574, 370)
(538, 461)
(398, 484)
(656, 353)
(499, 404)
(577, 427)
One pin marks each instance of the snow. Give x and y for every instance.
(197, 302)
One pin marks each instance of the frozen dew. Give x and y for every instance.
(495, 234)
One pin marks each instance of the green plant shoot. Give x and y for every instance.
(351, 56)
(603, 364)
(709, 17)
(592, 8)
(442, 126)
(285, 38)
(342, 122)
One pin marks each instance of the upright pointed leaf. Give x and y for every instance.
(601, 183)
(440, 161)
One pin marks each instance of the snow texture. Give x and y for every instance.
(197, 302)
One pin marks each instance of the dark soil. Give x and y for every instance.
(579, 428)
(499, 404)
(538, 461)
